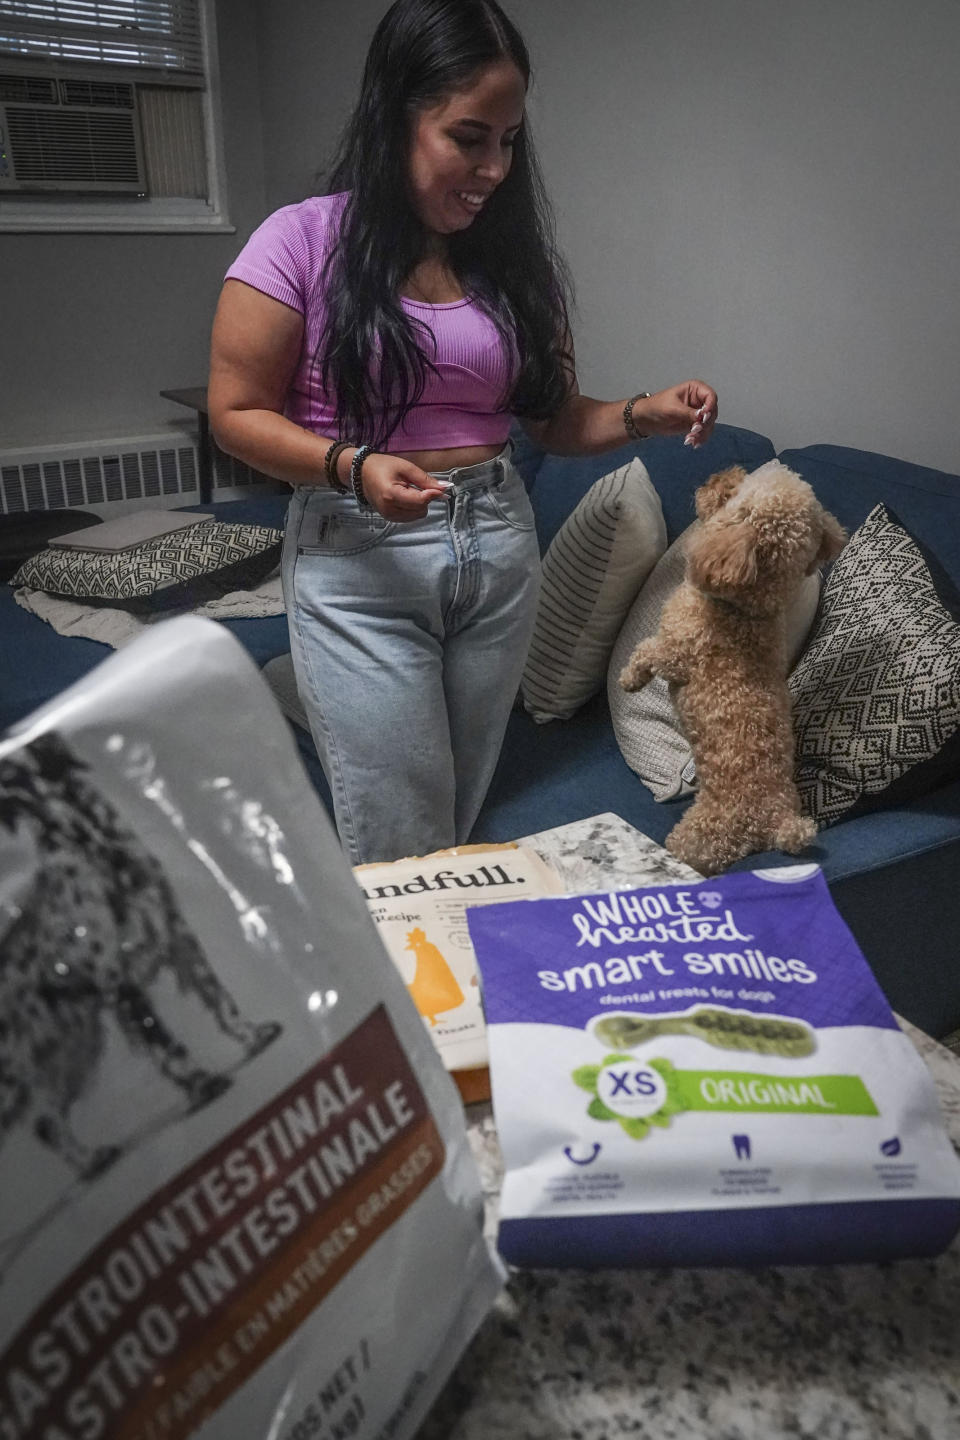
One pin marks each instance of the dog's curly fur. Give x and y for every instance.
(721, 646)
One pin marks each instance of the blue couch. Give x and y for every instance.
(894, 874)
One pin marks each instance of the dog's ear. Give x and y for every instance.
(714, 493)
(723, 559)
(833, 537)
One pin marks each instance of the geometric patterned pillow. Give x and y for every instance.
(185, 568)
(590, 576)
(876, 696)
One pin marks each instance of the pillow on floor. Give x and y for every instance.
(645, 722)
(592, 571)
(184, 568)
(876, 697)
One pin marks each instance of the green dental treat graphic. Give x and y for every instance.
(726, 1029)
(639, 1096)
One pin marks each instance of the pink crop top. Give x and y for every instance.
(459, 405)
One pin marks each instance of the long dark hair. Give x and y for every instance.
(372, 356)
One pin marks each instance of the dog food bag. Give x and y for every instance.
(236, 1197)
(705, 1074)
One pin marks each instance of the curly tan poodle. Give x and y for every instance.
(721, 646)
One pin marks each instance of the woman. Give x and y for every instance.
(370, 348)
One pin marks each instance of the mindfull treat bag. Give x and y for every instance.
(236, 1197)
(705, 1074)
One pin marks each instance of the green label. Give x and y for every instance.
(773, 1094)
(643, 1095)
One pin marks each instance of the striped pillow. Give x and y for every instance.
(591, 574)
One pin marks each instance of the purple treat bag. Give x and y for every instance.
(705, 1074)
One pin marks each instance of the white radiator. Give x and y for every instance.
(111, 477)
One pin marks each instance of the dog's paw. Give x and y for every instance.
(698, 857)
(686, 842)
(639, 669)
(634, 677)
(794, 834)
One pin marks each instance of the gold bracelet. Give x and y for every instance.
(628, 421)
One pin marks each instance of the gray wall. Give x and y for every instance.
(760, 192)
(93, 326)
(765, 192)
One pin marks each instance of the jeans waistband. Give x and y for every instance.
(474, 477)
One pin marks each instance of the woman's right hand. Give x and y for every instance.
(397, 489)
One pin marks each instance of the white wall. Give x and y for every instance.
(760, 192)
(92, 327)
(765, 193)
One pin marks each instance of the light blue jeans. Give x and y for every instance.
(408, 643)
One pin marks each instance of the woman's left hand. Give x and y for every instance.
(689, 409)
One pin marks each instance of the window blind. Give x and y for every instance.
(152, 34)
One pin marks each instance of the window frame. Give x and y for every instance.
(161, 215)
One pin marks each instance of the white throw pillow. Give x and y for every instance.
(592, 572)
(645, 722)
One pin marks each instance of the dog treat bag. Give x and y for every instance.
(236, 1198)
(705, 1074)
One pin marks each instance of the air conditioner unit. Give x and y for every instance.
(65, 133)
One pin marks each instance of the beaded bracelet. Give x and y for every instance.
(330, 466)
(628, 420)
(356, 479)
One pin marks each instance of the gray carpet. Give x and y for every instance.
(952, 1041)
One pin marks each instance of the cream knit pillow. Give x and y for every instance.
(591, 574)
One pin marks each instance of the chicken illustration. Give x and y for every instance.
(434, 987)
